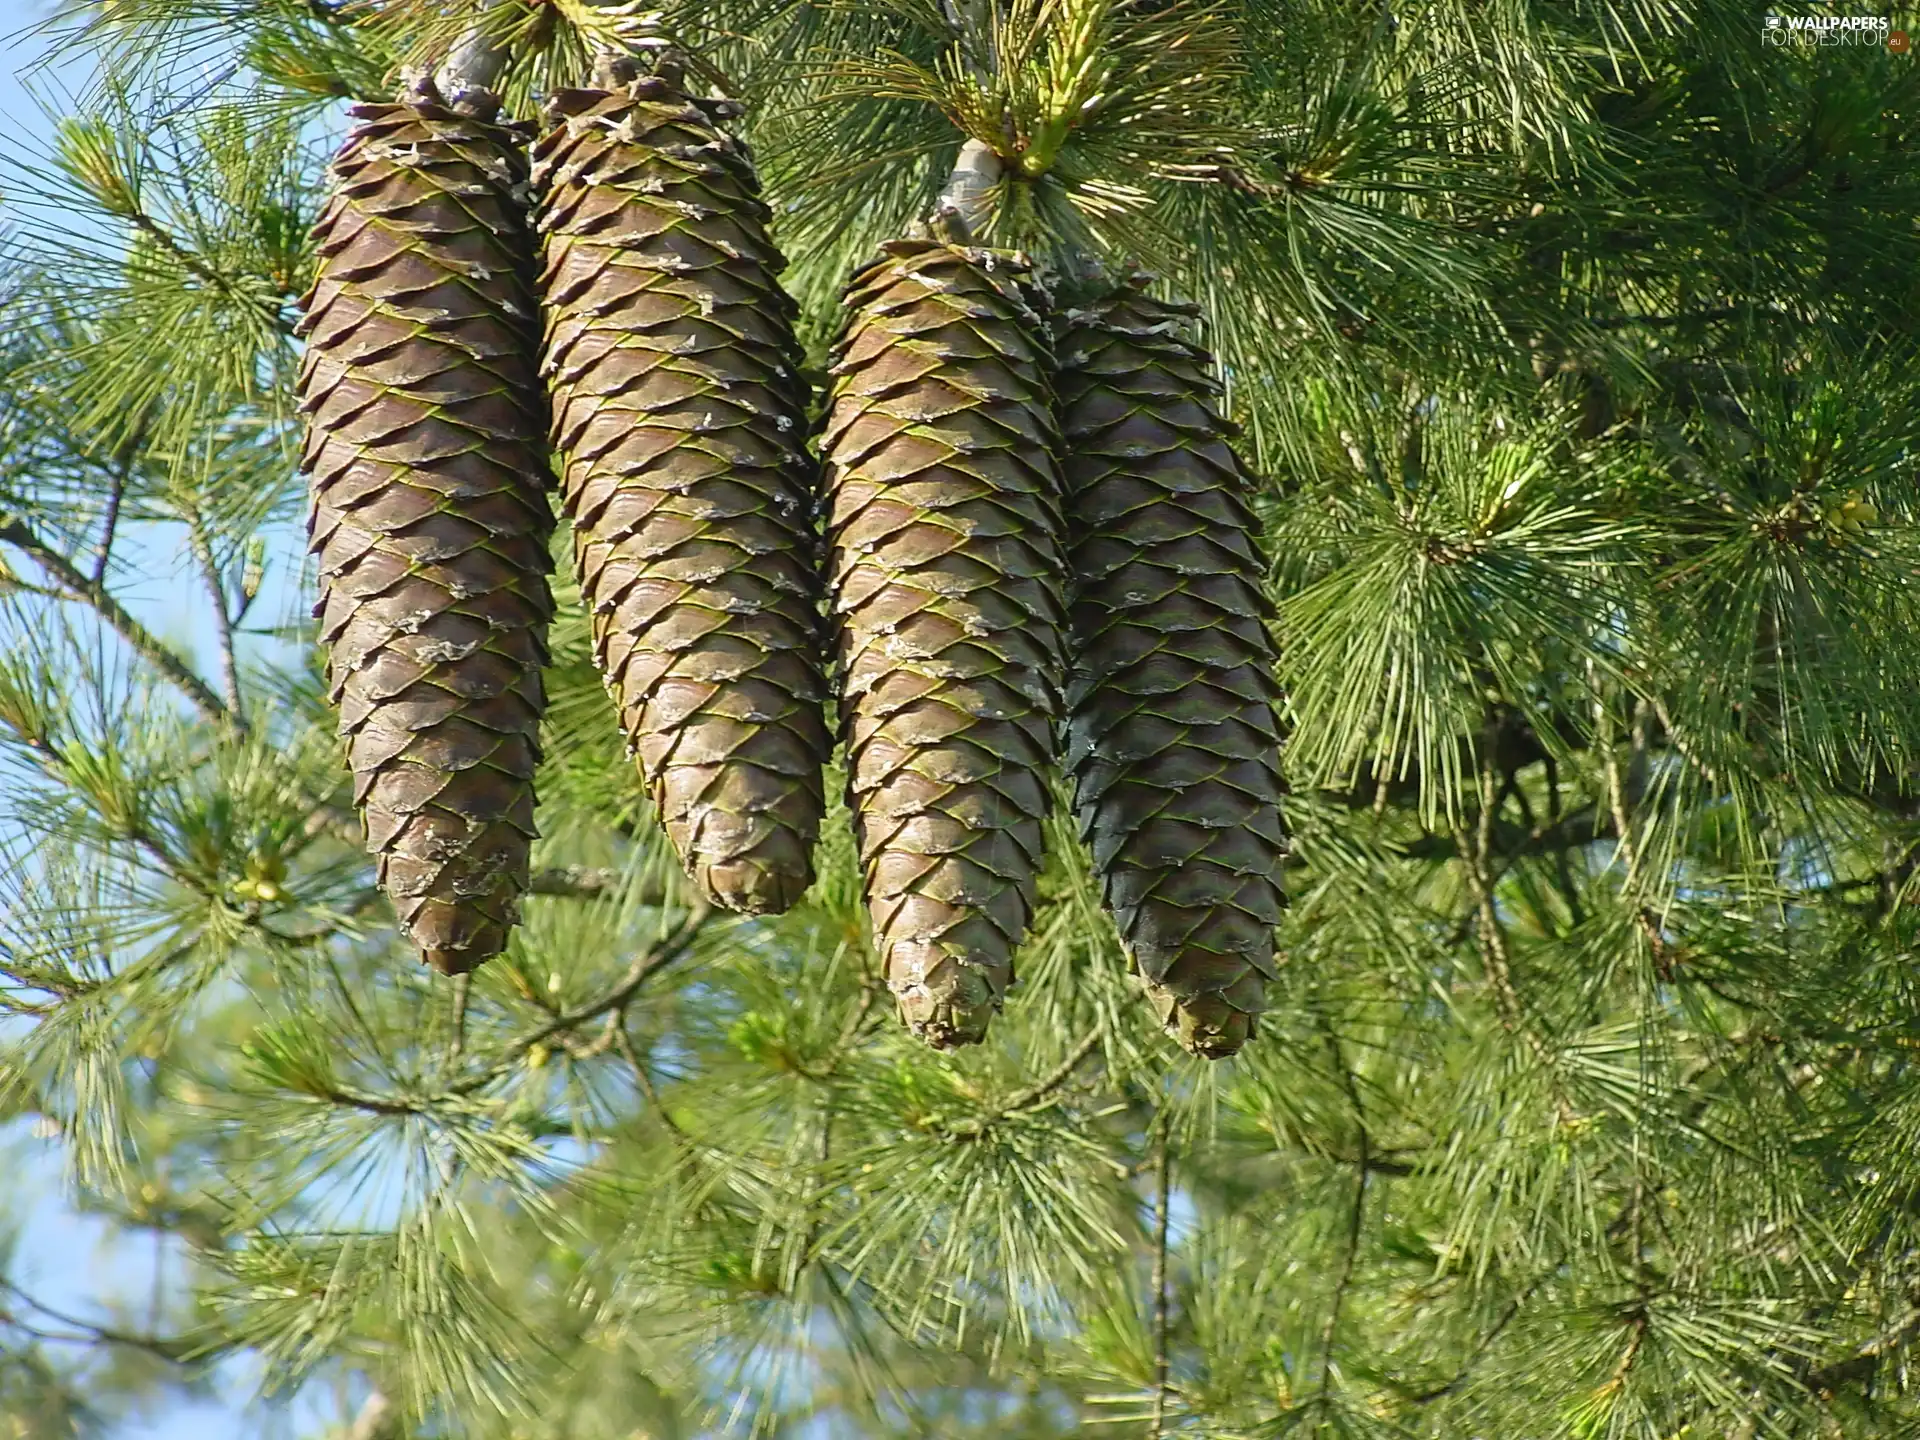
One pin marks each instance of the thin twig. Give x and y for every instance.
(1555, 834)
(1865, 1360)
(1162, 1211)
(970, 22)
(122, 476)
(1055, 1078)
(968, 192)
(1630, 1354)
(870, 988)
(624, 1043)
(372, 1420)
(1562, 866)
(1723, 312)
(474, 63)
(598, 882)
(1482, 1346)
(109, 525)
(374, 1104)
(1031, 1098)
(85, 1332)
(645, 967)
(817, 1194)
(1624, 848)
(1680, 743)
(53, 761)
(222, 620)
(91, 1335)
(1495, 956)
(462, 986)
(142, 641)
(1474, 852)
(966, 196)
(1355, 1220)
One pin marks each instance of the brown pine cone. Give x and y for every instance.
(680, 420)
(1173, 739)
(426, 448)
(947, 576)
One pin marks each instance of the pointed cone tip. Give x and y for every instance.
(951, 1016)
(747, 888)
(457, 962)
(1209, 1026)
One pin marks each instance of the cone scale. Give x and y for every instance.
(679, 426)
(946, 580)
(425, 449)
(1173, 744)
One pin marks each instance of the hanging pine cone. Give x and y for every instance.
(946, 577)
(430, 520)
(1173, 742)
(679, 417)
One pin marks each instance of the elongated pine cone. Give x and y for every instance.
(680, 423)
(947, 583)
(426, 447)
(1173, 741)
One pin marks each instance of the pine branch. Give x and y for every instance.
(138, 638)
(1866, 1360)
(579, 882)
(1509, 841)
(190, 261)
(1764, 1092)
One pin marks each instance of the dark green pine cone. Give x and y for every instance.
(426, 449)
(1173, 741)
(679, 420)
(947, 580)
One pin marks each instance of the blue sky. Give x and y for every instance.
(78, 1264)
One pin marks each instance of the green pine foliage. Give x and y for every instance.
(1577, 346)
